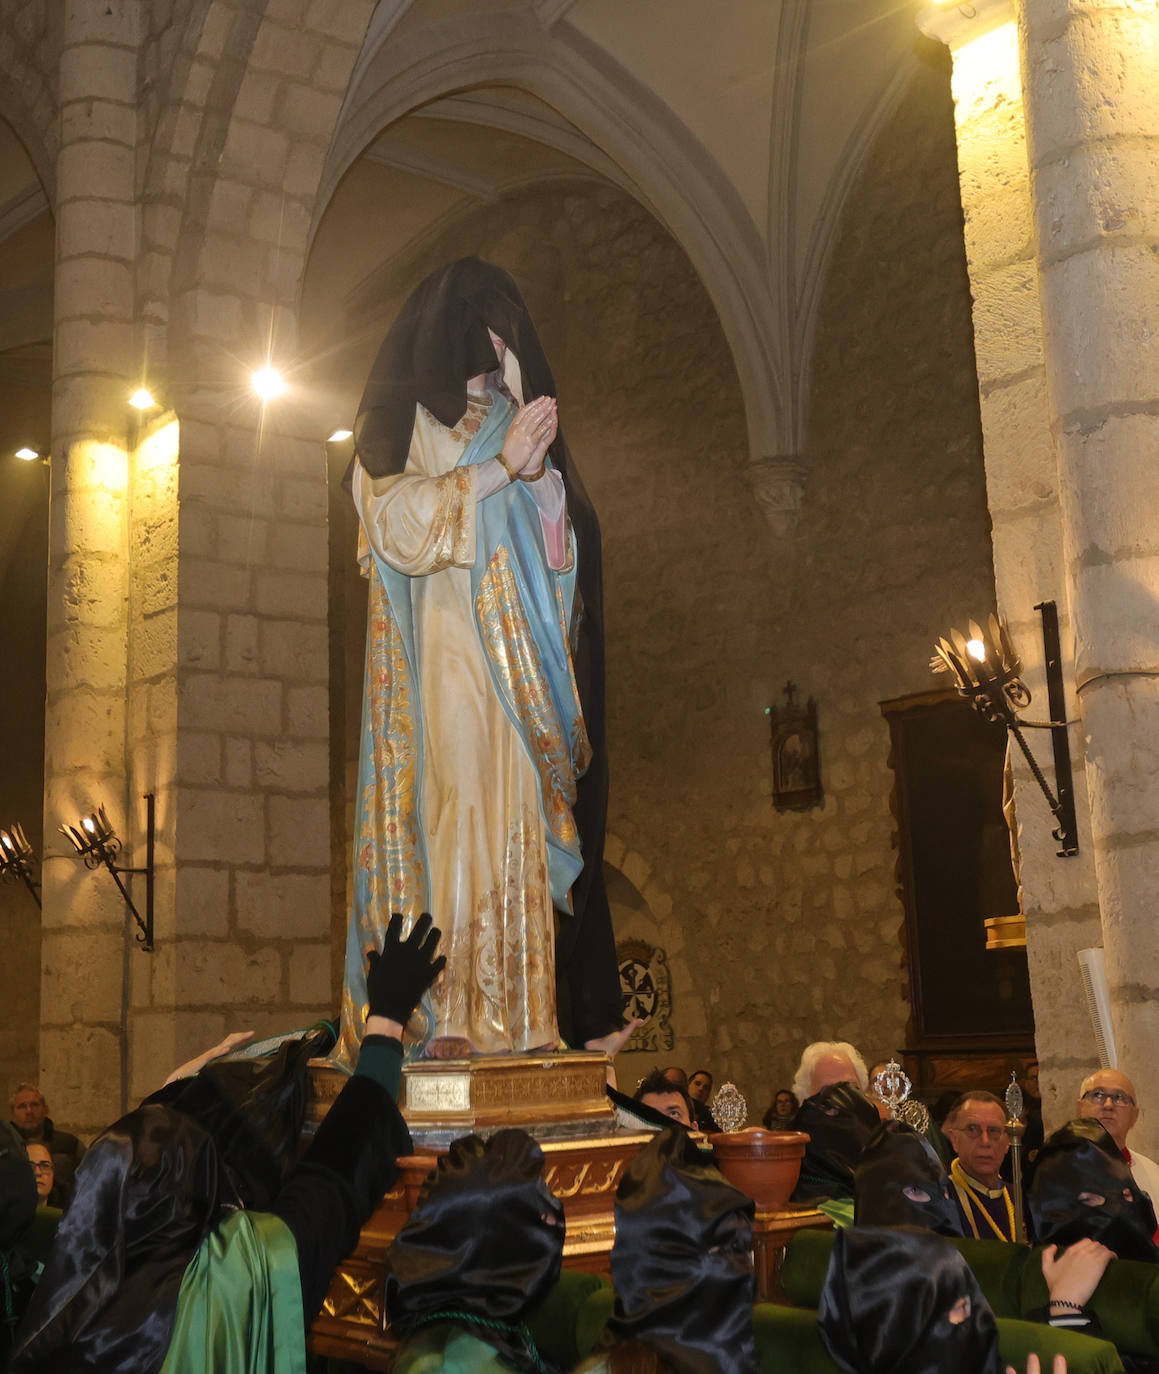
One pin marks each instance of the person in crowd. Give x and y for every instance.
(31, 1119)
(17, 1214)
(699, 1087)
(155, 1265)
(660, 1093)
(682, 1268)
(782, 1109)
(481, 1249)
(976, 1127)
(1109, 1097)
(825, 1062)
(840, 1120)
(46, 1191)
(1035, 1134)
(900, 1181)
(1081, 1187)
(676, 1076)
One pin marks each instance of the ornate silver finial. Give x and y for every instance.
(915, 1114)
(1014, 1103)
(893, 1086)
(729, 1107)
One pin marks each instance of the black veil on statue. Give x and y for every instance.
(437, 343)
(1081, 1158)
(887, 1303)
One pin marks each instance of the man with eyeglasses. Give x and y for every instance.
(1109, 1096)
(976, 1127)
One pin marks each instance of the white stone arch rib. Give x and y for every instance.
(664, 165)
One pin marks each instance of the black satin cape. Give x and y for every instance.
(254, 1109)
(886, 1303)
(1082, 1157)
(147, 1194)
(897, 1158)
(682, 1260)
(477, 1244)
(437, 343)
(840, 1120)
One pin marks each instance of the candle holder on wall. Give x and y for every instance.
(988, 673)
(97, 843)
(16, 858)
(796, 753)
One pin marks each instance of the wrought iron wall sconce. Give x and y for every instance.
(96, 842)
(987, 672)
(16, 858)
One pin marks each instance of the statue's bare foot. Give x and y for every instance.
(448, 1047)
(612, 1044)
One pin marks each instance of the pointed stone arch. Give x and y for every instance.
(627, 133)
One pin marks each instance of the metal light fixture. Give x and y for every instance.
(987, 672)
(96, 842)
(142, 399)
(16, 860)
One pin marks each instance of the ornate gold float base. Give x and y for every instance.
(558, 1098)
(551, 1096)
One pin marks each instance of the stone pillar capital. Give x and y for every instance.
(957, 25)
(779, 484)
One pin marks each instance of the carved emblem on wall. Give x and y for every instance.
(646, 992)
(796, 753)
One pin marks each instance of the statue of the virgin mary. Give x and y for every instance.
(482, 782)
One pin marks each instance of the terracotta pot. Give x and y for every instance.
(763, 1164)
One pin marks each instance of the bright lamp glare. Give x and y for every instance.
(28, 454)
(142, 400)
(976, 649)
(268, 383)
(340, 436)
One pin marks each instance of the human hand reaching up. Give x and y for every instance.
(397, 977)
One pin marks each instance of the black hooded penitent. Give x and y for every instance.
(484, 1242)
(437, 343)
(900, 1181)
(840, 1120)
(1081, 1160)
(888, 1302)
(682, 1261)
(146, 1196)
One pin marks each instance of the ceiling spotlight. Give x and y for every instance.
(269, 383)
(28, 454)
(340, 436)
(96, 842)
(142, 400)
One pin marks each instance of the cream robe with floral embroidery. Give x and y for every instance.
(479, 794)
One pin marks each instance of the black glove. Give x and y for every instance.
(397, 978)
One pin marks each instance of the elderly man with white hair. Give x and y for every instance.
(828, 1061)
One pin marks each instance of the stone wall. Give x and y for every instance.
(779, 928)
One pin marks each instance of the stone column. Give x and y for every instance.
(1091, 77)
(84, 922)
(1059, 896)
